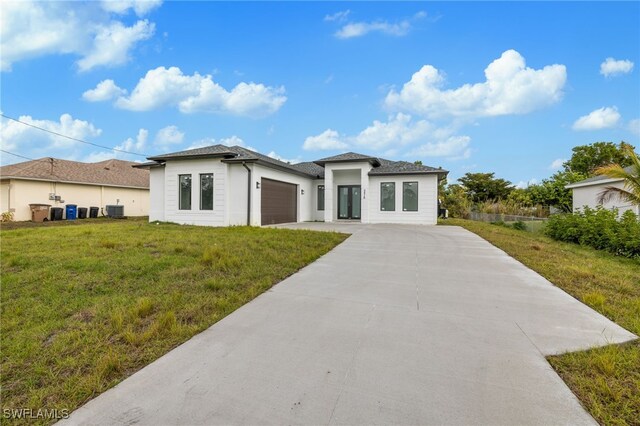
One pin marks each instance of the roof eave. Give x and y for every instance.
(592, 183)
(440, 173)
(269, 165)
(228, 154)
(371, 160)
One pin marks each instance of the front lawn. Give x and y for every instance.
(83, 307)
(606, 380)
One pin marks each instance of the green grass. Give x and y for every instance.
(606, 380)
(83, 307)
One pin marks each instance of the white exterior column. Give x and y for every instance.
(364, 198)
(328, 194)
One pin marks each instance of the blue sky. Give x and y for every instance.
(482, 86)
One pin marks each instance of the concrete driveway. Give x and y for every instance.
(397, 325)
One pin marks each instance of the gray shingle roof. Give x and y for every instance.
(388, 167)
(109, 172)
(595, 179)
(347, 156)
(213, 150)
(313, 169)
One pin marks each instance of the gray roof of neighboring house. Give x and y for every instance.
(315, 169)
(594, 180)
(109, 172)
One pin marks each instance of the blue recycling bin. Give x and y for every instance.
(72, 211)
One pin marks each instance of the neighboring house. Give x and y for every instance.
(222, 186)
(60, 182)
(585, 193)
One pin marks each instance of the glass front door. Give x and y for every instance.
(349, 202)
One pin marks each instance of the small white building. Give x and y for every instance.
(60, 182)
(586, 192)
(222, 186)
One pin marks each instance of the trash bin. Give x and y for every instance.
(93, 212)
(56, 213)
(39, 212)
(82, 212)
(72, 211)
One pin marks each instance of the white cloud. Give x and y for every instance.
(16, 135)
(557, 164)
(510, 88)
(135, 145)
(603, 118)
(612, 67)
(140, 7)
(338, 16)
(230, 141)
(197, 93)
(112, 44)
(525, 184)
(169, 135)
(30, 29)
(359, 29)
(634, 126)
(275, 156)
(399, 130)
(104, 91)
(452, 148)
(327, 140)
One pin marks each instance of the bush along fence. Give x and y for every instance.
(500, 217)
(599, 228)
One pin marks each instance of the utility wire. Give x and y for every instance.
(72, 138)
(16, 155)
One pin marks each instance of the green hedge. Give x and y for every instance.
(598, 228)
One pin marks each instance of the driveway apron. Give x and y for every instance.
(397, 325)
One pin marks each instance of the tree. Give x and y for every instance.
(481, 187)
(631, 190)
(552, 191)
(587, 158)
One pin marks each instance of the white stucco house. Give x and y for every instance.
(223, 186)
(585, 193)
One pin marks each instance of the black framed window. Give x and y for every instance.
(206, 191)
(184, 192)
(410, 196)
(320, 197)
(388, 196)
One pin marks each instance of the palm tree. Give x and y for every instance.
(630, 191)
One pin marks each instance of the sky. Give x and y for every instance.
(503, 87)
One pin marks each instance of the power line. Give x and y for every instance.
(16, 155)
(72, 138)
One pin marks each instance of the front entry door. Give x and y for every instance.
(349, 202)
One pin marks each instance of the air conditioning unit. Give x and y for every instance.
(115, 211)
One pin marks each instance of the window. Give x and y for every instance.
(388, 196)
(184, 193)
(206, 191)
(410, 196)
(320, 197)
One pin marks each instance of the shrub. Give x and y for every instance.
(519, 225)
(598, 228)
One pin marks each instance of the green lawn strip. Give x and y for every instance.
(606, 380)
(83, 307)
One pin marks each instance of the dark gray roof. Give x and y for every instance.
(595, 179)
(311, 168)
(315, 169)
(213, 150)
(348, 156)
(388, 167)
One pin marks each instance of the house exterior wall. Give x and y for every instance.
(588, 195)
(305, 201)
(427, 213)
(25, 192)
(316, 215)
(237, 195)
(195, 216)
(156, 194)
(348, 173)
(5, 193)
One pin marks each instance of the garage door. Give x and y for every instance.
(279, 202)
